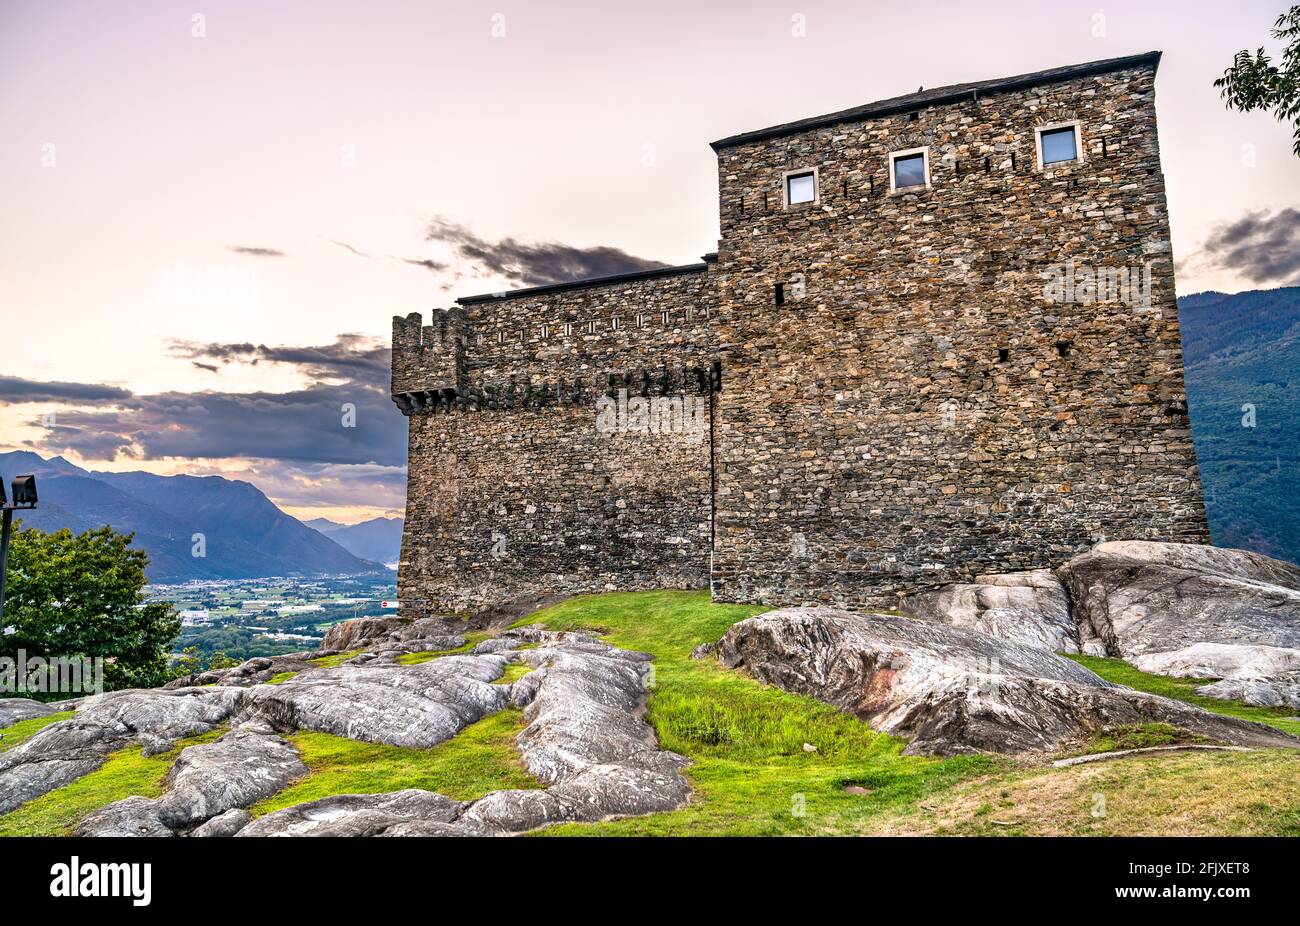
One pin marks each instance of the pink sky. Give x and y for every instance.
(133, 148)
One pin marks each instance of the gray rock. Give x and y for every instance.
(241, 768)
(68, 749)
(953, 690)
(14, 710)
(1138, 597)
(402, 705)
(224, 824)
(134, 816)
(1259, 692)
(356, 814)
(397, 634)
(1024, 607)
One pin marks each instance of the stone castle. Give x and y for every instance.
(938, 338)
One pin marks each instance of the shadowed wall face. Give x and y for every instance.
(575, 457)
(942, 391)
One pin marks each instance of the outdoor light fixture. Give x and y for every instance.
(24, 492)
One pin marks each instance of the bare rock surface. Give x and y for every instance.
(68, 749)
(255, 671)
(585, 738)
(1139, 597)
(402, 705)
(1024, 607)
(243, 767)
(14, 710)
(953, 690)
(381, 634)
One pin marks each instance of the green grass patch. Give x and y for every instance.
(1184, 689)
(750, 772)
(280, 678)
(125, 773)
(24, 730)
(329, 662)
(481, 758)
(513, 673)
(472, 639)
(1141, 736)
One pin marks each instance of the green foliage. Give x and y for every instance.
(480, 759)
(124, 773)
(82, 596)
(1243, 392)
(750, 772)
(1184, 689)
(1255, 82)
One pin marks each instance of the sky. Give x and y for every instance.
(212, 210)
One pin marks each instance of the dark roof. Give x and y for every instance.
(589, 282)
(941, 95)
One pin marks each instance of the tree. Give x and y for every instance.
(82, 597)
(1254, 82)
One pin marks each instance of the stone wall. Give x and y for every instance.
(934, 398)
(907, 417)
(518, 485)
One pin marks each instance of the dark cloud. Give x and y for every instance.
(351, 357)
(348, 383)
(1263, 247)
(14, 390)
(433, 265)
(255, 251)
(209, 367)
(535, 263)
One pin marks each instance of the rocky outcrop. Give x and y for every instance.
(1194, 611)
(243, 767)
(388, 634)
(68, 749)
(1024, 607)
(1137, 597)
(417, 705)
(256, 671)
(15, 710)
(585, 738)
(953, 690)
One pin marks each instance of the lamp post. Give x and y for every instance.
(24, 489)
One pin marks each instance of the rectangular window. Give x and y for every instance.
(666, 317)
(501, 337)
(568, 329)
(616, 322)
(591, 327)
(1058, 144)
(642, 321)
(800, 187)
(909, 170)
(546, 332)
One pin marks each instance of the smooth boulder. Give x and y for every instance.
(953, 690)
(1024, 607)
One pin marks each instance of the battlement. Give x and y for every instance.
(428, 360)
(644, 382)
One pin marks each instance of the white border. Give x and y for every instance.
(785, 187)
(895, 155)
(1078, 144)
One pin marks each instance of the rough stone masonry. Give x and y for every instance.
(896, 372)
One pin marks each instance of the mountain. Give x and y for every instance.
(379, 539)
(1242, 354)
(244, 535)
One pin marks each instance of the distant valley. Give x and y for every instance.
(193, 527)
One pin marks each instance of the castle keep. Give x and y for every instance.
(938, 338)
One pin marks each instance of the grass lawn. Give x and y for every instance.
(750, 771)
(123, 774)
(1184, 689)
(480, 759)
(1177, 794)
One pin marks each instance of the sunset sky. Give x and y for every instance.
(212, 210)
